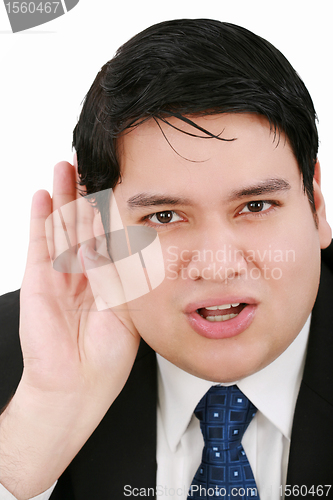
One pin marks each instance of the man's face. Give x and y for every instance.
(240, 245)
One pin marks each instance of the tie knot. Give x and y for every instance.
(224, 414)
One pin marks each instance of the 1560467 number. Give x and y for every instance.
(32, 7)
(304, 490)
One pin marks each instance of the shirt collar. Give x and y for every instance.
(273, 390)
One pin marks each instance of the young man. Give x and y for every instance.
(206, 134)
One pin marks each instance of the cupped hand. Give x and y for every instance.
(77, 356)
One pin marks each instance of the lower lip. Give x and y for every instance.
(222, 329)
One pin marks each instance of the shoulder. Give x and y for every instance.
(11, 363)
(318, 372)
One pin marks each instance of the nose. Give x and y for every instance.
(215, 255)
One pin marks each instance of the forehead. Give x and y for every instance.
(157, 154)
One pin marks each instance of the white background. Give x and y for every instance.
(46, 72)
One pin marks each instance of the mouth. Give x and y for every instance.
(221, 320)
(223, 312)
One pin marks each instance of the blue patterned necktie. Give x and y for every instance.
(224, 472)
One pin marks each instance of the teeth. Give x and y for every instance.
(223, 306)
(225, 317)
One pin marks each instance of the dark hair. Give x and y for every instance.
(184, 67)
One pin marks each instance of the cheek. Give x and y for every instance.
(153, 319)
(291, 270)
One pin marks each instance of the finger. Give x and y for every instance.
(67, 239)
(64, 194)
(41, 207)
(85, 215)
(64, 184)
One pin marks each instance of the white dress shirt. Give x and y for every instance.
(266, 441)
(5, 495)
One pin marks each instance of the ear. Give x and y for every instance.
(325, 232)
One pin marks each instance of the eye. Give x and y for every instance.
(164, 217)
(257, 206)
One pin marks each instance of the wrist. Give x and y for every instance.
(37, 443)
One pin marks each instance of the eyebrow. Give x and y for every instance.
(268, 186)
(150, 200)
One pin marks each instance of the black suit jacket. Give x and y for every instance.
(122, 450)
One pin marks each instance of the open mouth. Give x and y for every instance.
(221, 320)
(222, 312)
